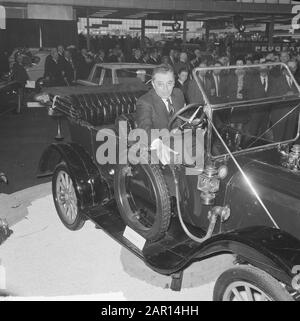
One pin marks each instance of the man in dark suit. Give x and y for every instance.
(69, 71)
(182, 81)
(154, 59)
(194, 94)
(235, 91)
(155, 109)
(259, 84)
(218, 84)
(285, 86)
(53, 69)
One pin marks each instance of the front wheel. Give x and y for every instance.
(247, 283)
(65, 198)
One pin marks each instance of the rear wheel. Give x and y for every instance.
(247, 283)
(143, 199)
(65, 198)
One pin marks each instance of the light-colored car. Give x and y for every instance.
(117, 73)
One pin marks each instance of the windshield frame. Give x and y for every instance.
(209, 108)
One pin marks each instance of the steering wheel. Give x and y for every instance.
(188, 122)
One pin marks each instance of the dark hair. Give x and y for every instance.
(181, 70)
(162, 69)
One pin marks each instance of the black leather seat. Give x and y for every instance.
(104, 108)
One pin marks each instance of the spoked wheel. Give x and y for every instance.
(143, 199)
(65, 198)
(247, 283)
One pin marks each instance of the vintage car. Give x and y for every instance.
(242, 197)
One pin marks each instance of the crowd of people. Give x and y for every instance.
(64, 65)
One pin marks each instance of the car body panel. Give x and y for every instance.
(108, 73)
(90, 186)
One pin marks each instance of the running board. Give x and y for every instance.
(168, 256)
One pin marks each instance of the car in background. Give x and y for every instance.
(117, 73)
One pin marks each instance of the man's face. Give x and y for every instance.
(138, 53)
(60, 49)
(202, 73)
(284, 57)
(263, 71)
(163, 84)
(217, 71)
(183, 76)
(292, 66)
(67, 54)
(183, 57)
(197, 53)
(54, 54)
(240, 71)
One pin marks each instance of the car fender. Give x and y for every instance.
(270, 249)
(91, 188)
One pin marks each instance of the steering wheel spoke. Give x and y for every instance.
(188, 121)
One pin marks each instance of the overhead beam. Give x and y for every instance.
(176, 5)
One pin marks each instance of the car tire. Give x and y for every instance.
(248, 283)
(128, 204)
(65, 198)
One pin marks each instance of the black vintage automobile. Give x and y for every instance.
(244, 198)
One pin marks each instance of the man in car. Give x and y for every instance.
(155, 109)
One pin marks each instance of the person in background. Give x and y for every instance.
(146, 57)
(137, 56)
(4, 63)
(19, 74)
(84, 64)
(172, 58)
(182, 63)
(194, 94)
(165, 60)
(259, 85)
(285, 127)
(100, 57)
(218, 84)
(60, 50)
(153, 59)
(197, 60)
(182, 81)
(53, 69)
(69, 70)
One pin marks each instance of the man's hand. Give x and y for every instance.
(163, 151)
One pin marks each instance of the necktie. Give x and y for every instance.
(264, 82)
(217, 86)
(170, 107)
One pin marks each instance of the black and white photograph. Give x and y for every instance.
(149, 151)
